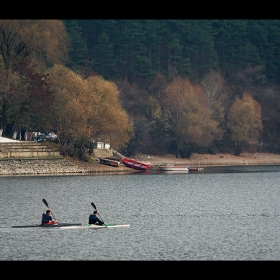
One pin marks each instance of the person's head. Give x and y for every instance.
(48, 212)
(95, 212)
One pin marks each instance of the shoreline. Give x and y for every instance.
(204, 160)
(69, 166)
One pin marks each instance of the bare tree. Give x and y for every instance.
(214, 92)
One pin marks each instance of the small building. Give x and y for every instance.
(97, 145)
(100, 149)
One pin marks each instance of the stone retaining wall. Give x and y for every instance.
(38, 166)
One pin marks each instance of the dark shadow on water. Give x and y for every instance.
(241, 169)
(218, 169)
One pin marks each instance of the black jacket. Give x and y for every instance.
(46, 218)
(94, 220)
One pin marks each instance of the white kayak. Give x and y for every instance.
(96, 226)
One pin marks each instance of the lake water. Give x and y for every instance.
(221, 213)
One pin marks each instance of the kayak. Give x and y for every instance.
(69, 226)
(97, 226)
(60, 225)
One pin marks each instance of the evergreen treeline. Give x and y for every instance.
(164, 86)
(135, 49)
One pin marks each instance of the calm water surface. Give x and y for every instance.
(221, 213)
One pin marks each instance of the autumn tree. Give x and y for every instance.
(22, 43)
(244, 122)
(109, 120)
(10, 97)
(69, 107)
(34, 99)
(84, 110)
(189, 120)
(42, 40)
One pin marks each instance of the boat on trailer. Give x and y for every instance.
(111, 162)
(138, 165)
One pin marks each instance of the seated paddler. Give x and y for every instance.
(47, 218)
(93, 219)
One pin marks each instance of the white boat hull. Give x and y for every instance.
(184, 168)
(96, 226)
(174, 169)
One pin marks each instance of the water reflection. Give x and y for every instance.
(215, 169)
(242, 169)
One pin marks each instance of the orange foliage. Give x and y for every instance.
(244, 119)
(88, 109)
(188, 117)
(45, 41)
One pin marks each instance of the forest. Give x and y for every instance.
(145, 86)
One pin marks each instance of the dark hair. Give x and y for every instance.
(48, 211)
(94, 212)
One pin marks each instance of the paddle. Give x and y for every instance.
(93, 205)
(46, 203)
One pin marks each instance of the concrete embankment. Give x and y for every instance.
(35, 158)
(54, 166)
(39, 166)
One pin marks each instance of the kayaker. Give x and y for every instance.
(93, 219)
(47, 218)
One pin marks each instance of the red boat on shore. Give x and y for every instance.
(136, 164)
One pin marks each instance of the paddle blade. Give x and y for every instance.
(93, 205)
(45, 202)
